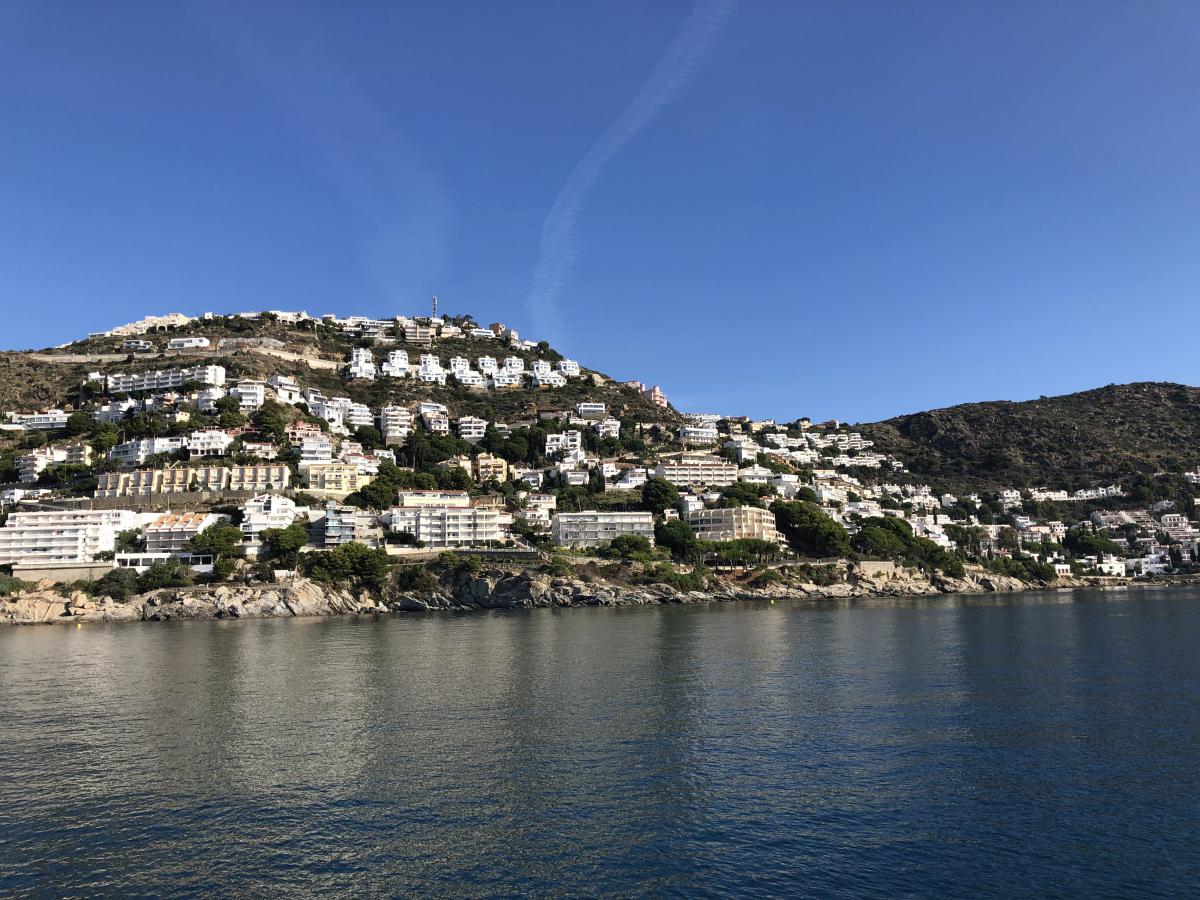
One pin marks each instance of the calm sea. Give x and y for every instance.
(1041, 744)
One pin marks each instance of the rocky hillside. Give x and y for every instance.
(315, 355)
(1077, 440)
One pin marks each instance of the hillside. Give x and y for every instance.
(1077, 440)
(316, 357)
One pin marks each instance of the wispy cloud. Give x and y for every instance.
(403, 211)
(559, 248)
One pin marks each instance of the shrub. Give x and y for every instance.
(120, 584)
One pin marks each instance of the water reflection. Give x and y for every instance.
(948, 745)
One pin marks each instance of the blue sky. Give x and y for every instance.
(849, 209)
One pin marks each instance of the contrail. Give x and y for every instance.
(558, 248)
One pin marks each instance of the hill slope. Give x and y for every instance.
(1076, 440)
(316, 356)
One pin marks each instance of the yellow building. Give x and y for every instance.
(335, 480)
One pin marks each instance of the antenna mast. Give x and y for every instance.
(435, 307)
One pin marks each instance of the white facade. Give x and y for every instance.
(316, 450)
(395, 424)
(396, 364)
(266, 511)
(450, 523)
(210, 442)
(135, 453)
(188, 343)
(472, 428)
(684, 469)
(62, 537)
(735, 523)
(170, 533)
(594, 529)
(362, 363)
(165, 379)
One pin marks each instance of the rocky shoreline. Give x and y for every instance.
(494, 589)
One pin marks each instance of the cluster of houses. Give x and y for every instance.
(166, 489)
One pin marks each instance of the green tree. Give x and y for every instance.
(355, 565)
(677, 537)
(78, 423)
(659, 494)
(809, 531)
(630, 546)
(219, 540)
(120, 584)
(166, 574)
(369, 436)
(742, 493)
(284, 544)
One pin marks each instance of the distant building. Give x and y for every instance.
(594, 529)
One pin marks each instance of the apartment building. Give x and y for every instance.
(396, 364)
(594, 529)
(188, 343)
(165, 379)
(607, 428)
(490, 468)
(50, 420)
(362, 363)
(395, 424)
(170, 532)
(144, 482)
(250, 395)
(449, 524)
(336, 480)
(347, 524)
(315, 450)
(256, 479)
(733, 524)
(75, 536)
(135, 453)
(471, 428)
(563, 442)
(210, 442)
(31, 465)
(265, 511)
(686, 469)
(698, 435)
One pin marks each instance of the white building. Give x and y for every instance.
(395, 424)
(165, 379)
(287, 389)
(734, 523)
(607, 428)
(316, 450)
(33, 538)
(446, 520)
(250, 395)
(698, 435)
(685, 469)
(135, 453)
(396, 364)
(170, 532)
(50, 420)
(563, 442)
(362, 363)
(593, 528)
(263, 512)
(472, 429)
(591, 410)
(188, 343)
(210, 442)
